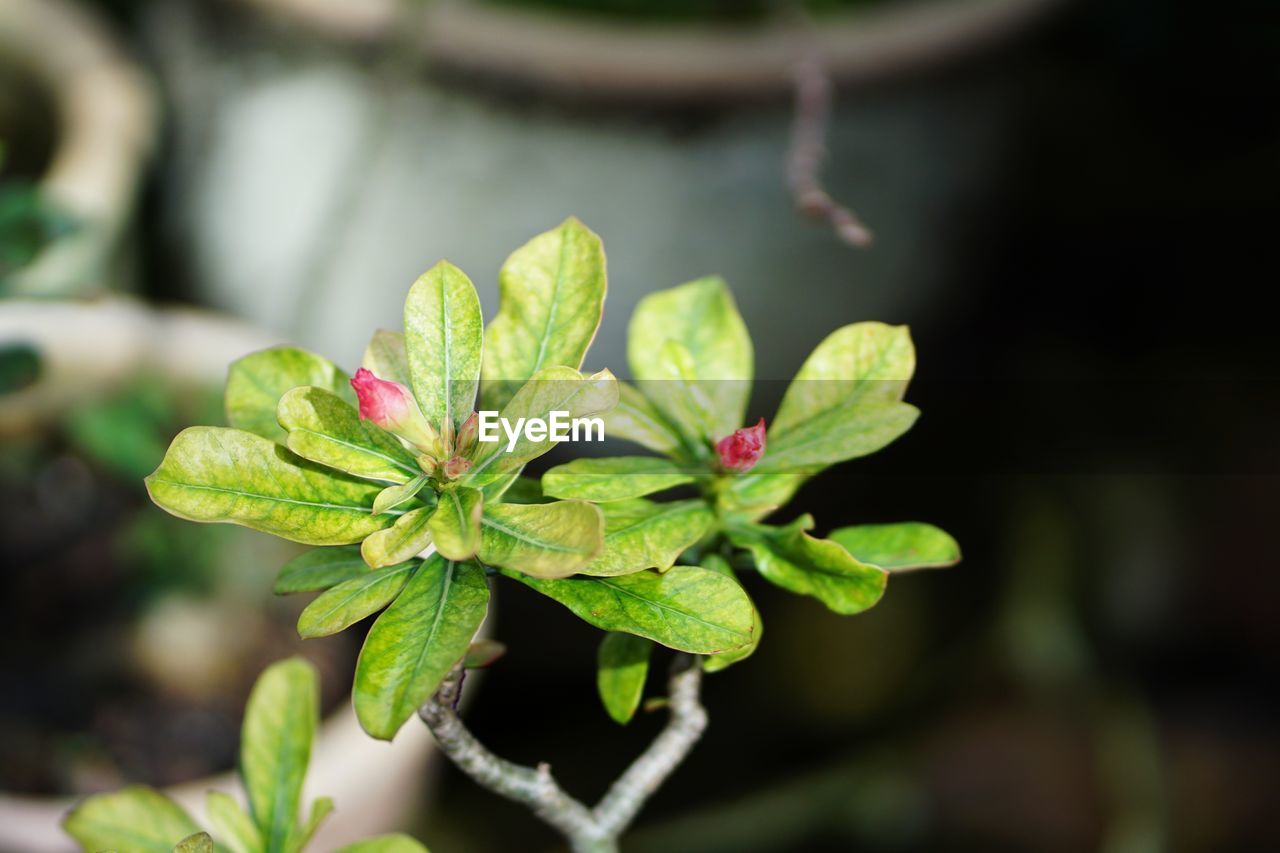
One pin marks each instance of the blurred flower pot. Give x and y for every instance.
(93, 349)
(80, 120)
(311, 185)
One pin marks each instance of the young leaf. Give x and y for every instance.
(857, 364)
(394, 497)
(275, 746)
(455, 525)
(899, 547)
(685, 401)
(838, 435)
(483, 653)
(641, 534)
(702, 317)
(385, 356)
(232, 824)
(443, 335)
(136, 818)
(687, 608)
(715, 663)
(795, 561)
(551, 540)
(200, 842)
(256, 382)
(415, 642)
(321, 808)
(552, 296)
(349, 602)
(613, 479)
(327, 430)
(320, 568)
(217, 474)
(553, 389)
(396, 843)
(404, 540)
(638, 420)
(622, 664)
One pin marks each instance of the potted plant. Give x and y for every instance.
(408, 478)
(670, 136)
(78, 119)
(122, 597)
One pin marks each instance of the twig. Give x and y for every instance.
(808, 151)
(594, 830)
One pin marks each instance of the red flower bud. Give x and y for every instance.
(385, 403)
(742, 450)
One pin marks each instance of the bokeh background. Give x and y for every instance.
(1074, 205)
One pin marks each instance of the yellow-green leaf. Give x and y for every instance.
(256, 382)
(393, 497)
(455, 525)
(636, 419)
(136, 819)
(796, 561)
(200, 842)
(321, 808)
(416, 641)
(614, 478)
(275, 746)
(232, 824)
(715, 663)
(838, 435)
(350, 601)
(407, 538)
(688, 608)
(622, 664)
(702, 317)
(899, 547)
(552, 296)
(325, 429)
(641, 534)
(443, 335)
(217, 474)
(385, 356)
(320, 568)
(395, 843)
(551, 540)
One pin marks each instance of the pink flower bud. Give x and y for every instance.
(742, 450)
(467, 434)
(385, 403)
(455, 467)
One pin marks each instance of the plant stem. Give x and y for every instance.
(594, 830)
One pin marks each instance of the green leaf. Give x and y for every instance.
(232, 824)
(385, 356)
(396, 843)
(640, 534)
(552, 297)
(522, 490)
(416, 641)
(218, 474)
(404, 540)
(349, 602)
(393, 497)
(136, 819)
(792, 559)
(702, 317)
(275, 746)
(836, 436)
(554, 389)
(613, 479)
(200, 842)
(256, 383)
(687, 608)
(483, 653)
(685, 401)
(443, 334)
(636, 419)
(857, 364)
(321, 808)
(327, 430)
(455, 525)
(622, 664)
(715, 663)
(320, 568)
(549, 540)
(899, 547)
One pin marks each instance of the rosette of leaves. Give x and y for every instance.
(275, 749)
(411, 511)
(692, 360)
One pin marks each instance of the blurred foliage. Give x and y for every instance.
(19, 366)
(691, 10)
(28, 223)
